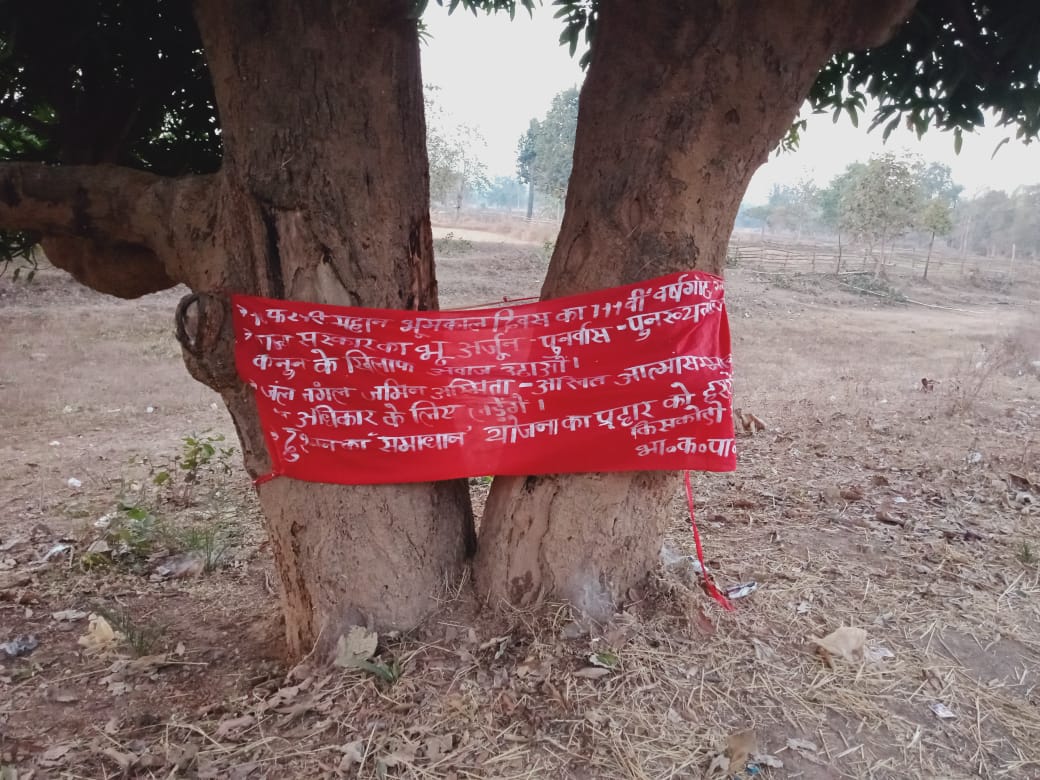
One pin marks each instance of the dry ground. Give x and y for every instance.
(868, 503)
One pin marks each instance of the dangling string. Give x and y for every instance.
(709, 583)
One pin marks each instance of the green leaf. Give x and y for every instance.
(605, 659)
(889, 128)
(997, 149)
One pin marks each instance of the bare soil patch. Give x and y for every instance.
(868, 502)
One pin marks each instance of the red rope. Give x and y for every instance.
(264, 478)
(709, 583)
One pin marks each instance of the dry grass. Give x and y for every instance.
(497, 226)
(868, 502)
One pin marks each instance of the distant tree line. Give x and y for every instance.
(893, 196)
(998, 223)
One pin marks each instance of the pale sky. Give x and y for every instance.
(497, 75)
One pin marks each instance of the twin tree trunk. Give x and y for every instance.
(323, 196)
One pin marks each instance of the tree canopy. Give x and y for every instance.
(126, 82)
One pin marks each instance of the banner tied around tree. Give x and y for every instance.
(627, 379)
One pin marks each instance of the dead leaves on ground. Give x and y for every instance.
(356, 650)
(844, 643)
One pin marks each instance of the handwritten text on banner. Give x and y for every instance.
(624, 379)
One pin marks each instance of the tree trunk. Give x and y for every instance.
(324, 198)
(682, 102)
(928, 257)
(530, 199)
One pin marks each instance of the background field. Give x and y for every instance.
(868, 502)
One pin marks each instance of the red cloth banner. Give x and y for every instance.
(625, 379)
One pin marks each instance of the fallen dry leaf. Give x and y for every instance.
(283, 696)
(69, 614)
(54, 755)
(739, 747)
(100, 636)
(845, 643)
(353, 754)
(229, 725)
(357, 645)
(438, 746)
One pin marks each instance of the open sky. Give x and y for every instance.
(497, 75)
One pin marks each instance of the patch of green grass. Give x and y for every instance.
(389, 672)
(210, 540)
(141, 637)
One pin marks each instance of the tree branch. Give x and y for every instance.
(83, 201)
(121, 231)
(872, 24)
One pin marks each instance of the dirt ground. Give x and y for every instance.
(869, 503)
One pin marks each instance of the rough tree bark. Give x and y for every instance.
(322, 196)
(682, 102)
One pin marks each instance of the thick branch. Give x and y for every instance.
(101, 202)
(118, 230)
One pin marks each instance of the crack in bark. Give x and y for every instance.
(300, 586)
(544, 569)
(272, 257)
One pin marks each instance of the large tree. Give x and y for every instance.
(315, 188)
